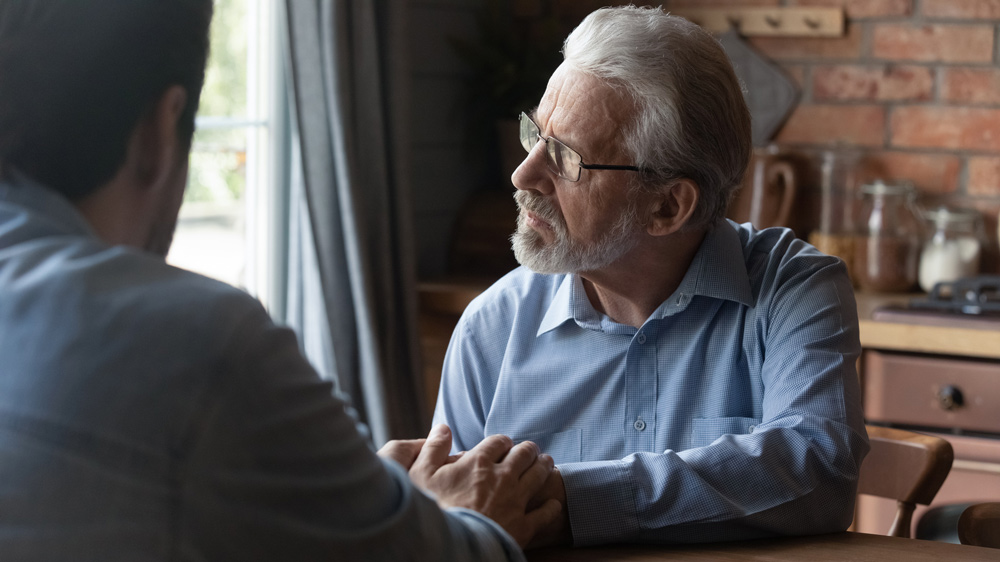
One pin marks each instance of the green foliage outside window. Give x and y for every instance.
(225, 91)
(218, 156)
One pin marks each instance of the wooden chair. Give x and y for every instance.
(907, 467)
(979, 525)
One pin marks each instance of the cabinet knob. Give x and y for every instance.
(950, 398)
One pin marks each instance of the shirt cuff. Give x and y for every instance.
(601, 500)
(492, 542)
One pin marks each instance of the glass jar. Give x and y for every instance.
(887, 246)
(834, 235)
(952, 249)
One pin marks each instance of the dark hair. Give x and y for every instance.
(76, 76)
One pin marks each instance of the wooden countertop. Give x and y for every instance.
(902, 336)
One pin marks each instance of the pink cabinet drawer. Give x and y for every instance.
(931, 391)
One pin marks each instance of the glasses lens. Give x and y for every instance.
(563, 160)
(529, 132)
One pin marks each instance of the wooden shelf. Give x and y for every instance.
(775, 21)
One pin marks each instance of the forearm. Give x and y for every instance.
(450, 534)
(774, 481)
(281, 470)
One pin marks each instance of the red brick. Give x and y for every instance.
(958, 128)
(984, 175)
(796, 48)
(977, 86)
(934, 43)
(713, 3)
(858, 9)
(931, 173)
(862, 125)
(872, 83)
(962, 9)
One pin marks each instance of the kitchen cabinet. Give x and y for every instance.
(942, 377)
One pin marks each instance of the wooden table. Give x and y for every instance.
(836, 547)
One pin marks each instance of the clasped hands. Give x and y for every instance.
(514, 485)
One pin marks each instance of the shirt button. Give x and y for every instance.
(641, 339)
(751, 428)
(639, 425)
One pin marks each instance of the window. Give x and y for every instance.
(227, 225)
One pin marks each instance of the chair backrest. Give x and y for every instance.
(905, 466)
(979, 525)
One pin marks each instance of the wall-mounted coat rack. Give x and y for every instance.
(805, 22)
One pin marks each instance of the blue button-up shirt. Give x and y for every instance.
(733, 412)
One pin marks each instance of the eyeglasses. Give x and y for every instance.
(562, 160)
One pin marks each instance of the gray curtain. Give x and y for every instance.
(351, 271)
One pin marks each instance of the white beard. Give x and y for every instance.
(565, 255)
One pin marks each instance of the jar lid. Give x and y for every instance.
(881, 187)
(942, 215)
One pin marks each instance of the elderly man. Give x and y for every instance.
(693, 378)
(148, 413)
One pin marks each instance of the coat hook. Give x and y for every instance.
(773, 21)
(812, 23)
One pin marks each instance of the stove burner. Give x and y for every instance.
(971, 295)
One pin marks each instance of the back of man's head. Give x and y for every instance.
(76, 76)
(692, 119)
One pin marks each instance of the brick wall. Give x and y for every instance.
(913, 86)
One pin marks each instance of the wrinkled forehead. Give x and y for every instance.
(578, 107)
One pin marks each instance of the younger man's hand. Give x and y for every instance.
(495, 478)
(403, 451)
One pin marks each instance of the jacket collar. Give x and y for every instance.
(55, 210)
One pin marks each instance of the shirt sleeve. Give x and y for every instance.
(793, 473)
(280, 469)
(465, 390)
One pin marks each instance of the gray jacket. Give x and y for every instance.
(149, 413)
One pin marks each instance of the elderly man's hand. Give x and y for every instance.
(495, 478)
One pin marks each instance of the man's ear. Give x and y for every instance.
(673, 207)
(154, 146)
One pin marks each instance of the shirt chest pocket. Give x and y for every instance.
(563, 447)
(704, 431)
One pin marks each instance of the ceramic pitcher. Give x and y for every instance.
(768, 191)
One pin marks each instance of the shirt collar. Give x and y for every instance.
(18, 189)
(569, 303)
(718, 270)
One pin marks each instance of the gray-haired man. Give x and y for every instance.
(693, 378)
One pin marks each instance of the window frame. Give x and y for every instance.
(266, 124)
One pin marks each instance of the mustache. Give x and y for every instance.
(537, 205)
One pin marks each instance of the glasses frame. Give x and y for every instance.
(552, 144)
